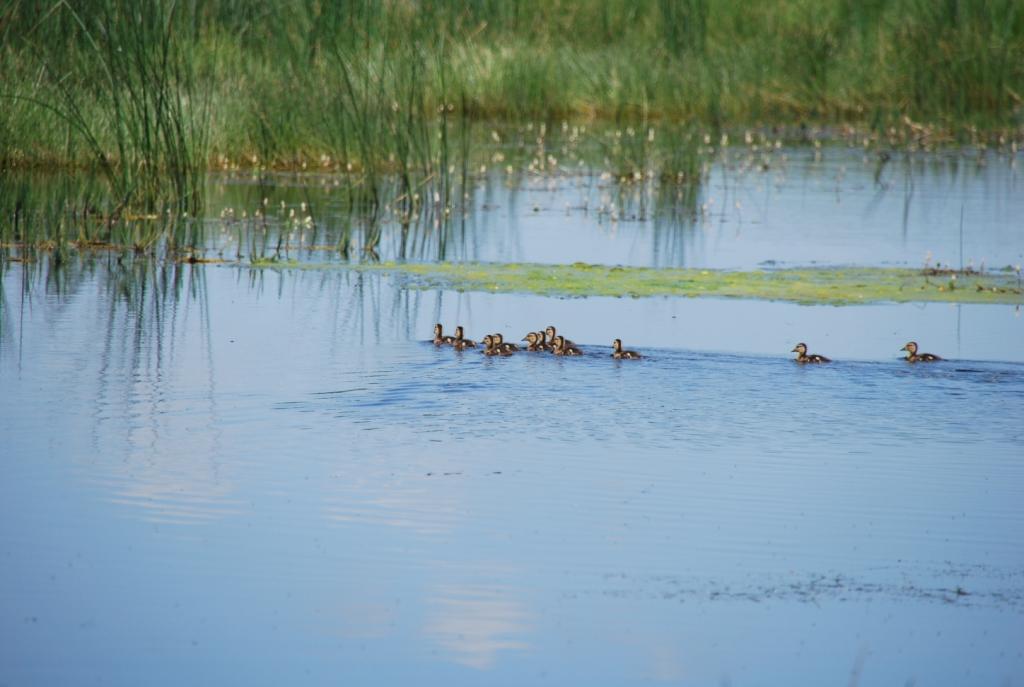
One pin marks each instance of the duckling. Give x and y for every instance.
(801, 355)
(563, 347)
(492, 347)
(552, 335)
(439, 338)
(499, 341)
(620, 354)
(914, 357)
(542, 342)
(532, 342)
(461, 343)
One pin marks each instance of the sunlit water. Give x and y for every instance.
(217, 475)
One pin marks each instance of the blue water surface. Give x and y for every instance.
(220, 475)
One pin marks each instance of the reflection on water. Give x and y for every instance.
(203, 463)
(476, 625)
(791, 206)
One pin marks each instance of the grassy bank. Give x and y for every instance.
(835, 286)
(364, 84)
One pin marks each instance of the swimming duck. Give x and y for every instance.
(542, 342)
(563, 347)
(491, 346)
(801, 355)
(533, 342)
(461, 343)
(914, 357)
(499, 342)
(620, 354)
(439, 338)
(552, 335)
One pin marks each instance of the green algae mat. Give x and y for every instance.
(836, 286)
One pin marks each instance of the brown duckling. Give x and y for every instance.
(542, 342)
(491, 347)
(563, 347)
(552, 334)
(914, 357)
(506, 348)
(533, 342)
(620, 354)
(460, 342)
(801, 355)
(439, 338)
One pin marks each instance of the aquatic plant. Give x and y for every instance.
(285, 83)
(837, 286)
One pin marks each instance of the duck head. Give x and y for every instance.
(617, 345)
(910, 347)
(458, 332)
(437, 329)
(531, 338)
(800, 349)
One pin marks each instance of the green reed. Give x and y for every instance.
(165, 85)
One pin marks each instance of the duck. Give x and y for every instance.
(506, 348)
(620, 354)
(439, 338)
(552, 334)
(563, 347)
(491, 346)
(542, 342)
(460, 342)
(914, 357)
(533, 342)
(801, 355)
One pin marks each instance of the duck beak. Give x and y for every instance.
(793, 351)
(904, 348)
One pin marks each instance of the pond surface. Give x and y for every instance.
(220, 475)
(795, 207)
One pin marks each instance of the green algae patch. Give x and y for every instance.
(837, 286)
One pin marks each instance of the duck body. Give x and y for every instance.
(563, 347)
(803, 357)
(439, 337)
(620, 354)
(533, 342)
(552, 334)
(501, 344)
(460, 342)
(492, 346)
(914, 357)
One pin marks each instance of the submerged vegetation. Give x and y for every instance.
(836, 286)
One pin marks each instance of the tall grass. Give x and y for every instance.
(117, 81)
(163, 84)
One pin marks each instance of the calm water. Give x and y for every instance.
(216, 475)
(838, 206)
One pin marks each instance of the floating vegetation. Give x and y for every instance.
(834, 286)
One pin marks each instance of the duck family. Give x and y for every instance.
(545, 340)
(548, 340)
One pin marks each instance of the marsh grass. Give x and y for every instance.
(365, 82)
(118, 83)
(402, 100)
